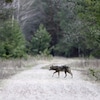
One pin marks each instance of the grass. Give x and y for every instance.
(94, 73)
(91, 67)
(9, 67)
(13, 66)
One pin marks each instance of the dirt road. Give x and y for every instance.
(38, 84)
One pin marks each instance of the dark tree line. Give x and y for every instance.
(70, 28)
(74, 26)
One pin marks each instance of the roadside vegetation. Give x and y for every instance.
(89, 67)
(9, 67)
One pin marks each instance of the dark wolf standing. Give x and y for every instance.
(61, 68)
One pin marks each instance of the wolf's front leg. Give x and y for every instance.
(65, 74)
(58, 74)
(54, 73)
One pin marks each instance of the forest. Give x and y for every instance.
(68, 28)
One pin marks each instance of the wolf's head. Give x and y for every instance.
(53, 67)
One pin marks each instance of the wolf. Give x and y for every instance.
(63, 68)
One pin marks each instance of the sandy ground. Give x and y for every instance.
(38, 84)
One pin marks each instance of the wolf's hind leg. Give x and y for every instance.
(58, 73)
(71, 74)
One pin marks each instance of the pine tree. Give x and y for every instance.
(40, 41)
(12, 42)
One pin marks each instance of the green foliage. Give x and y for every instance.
(95, 73)
(40, 41)
(8, 1)
(63, 25)
(72, 35)
(69, 37)
(79, 35)
(12, 42)
(89, 13)
(51, 21)
(6, 14)
(89, 10)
